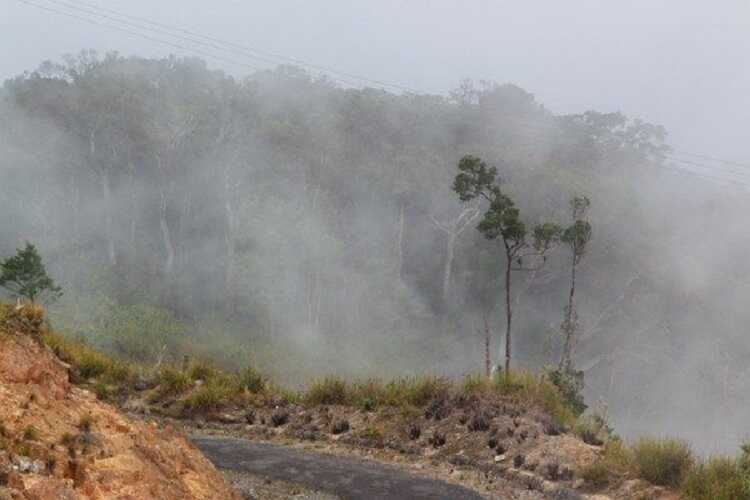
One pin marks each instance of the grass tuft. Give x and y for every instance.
(664, 462)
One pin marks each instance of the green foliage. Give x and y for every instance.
(24, 275)
(89, 363)
(252, 380)
(526, 388)
(664, 462)
(102, 391)
(212, 395)
(327, 391)
(172, 382)
(570, 384)
(201, 370)
(719, 478)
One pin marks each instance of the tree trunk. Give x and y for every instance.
(567, 357)
(165, 234)
(508, 314)
(450, 251)
(400, 240)
(229, 241)
(487, 362)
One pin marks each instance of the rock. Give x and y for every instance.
(499, 458)
(518, 460)
(479, 422)
(340, 426)
(26, 465)
(414, 432)
(279, 417)
(437, 439)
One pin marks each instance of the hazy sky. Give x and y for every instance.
(682, 63)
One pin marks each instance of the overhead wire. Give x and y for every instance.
(79, 13)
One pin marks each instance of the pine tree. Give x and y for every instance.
(25, 276)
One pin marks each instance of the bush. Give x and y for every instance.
(719, 478)
(597, 473)
(172, 382)
(570, 385)
(211, 395)
(526, 388)
(662, 461)
(252, 380)
(415, 391)
(201, 370)
(328, 391)
(102, 391)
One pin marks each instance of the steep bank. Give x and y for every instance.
(59, 441)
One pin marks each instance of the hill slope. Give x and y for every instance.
(59, 441)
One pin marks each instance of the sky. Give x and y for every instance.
(684, 64)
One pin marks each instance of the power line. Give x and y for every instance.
(217, 43)
(246, 52)
(140, 35)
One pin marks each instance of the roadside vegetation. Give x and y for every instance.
(199, 388)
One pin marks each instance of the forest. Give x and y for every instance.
(283, 220)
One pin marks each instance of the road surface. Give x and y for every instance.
(348, 478)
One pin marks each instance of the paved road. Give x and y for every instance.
(350, 479)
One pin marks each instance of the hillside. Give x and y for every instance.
(59, 441)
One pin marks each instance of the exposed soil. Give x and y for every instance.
(58, 441)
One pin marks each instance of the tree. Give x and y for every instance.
(502, 220)
(576, 237)
(24, 275)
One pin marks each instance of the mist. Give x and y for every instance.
(281, 218)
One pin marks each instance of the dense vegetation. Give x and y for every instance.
(287, 223)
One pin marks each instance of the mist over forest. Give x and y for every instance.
(283, 220)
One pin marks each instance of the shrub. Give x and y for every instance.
(369, 404)
(718, 478)
(597, 473)
(662, 461)
(279, 417)
(570, 385)
(252, 380)
(200, 370)
(172, 382)
(328, 391)
(340, 426)
(371, 433)
(524, 387)
(476, 383)
(211, 395)
(102, 391)
(415, 391)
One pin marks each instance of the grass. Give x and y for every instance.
(211, 395)
(328, 391)
(201, 370)
(597, 474)
(664, 462)
(88, 363)
(252, 380)
(30, 433)
(718, 478)
(172, 382)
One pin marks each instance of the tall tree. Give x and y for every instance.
(576, 237)
(502, 221)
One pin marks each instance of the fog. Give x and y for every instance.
(286, 217)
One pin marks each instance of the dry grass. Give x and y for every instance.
(662, 461)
